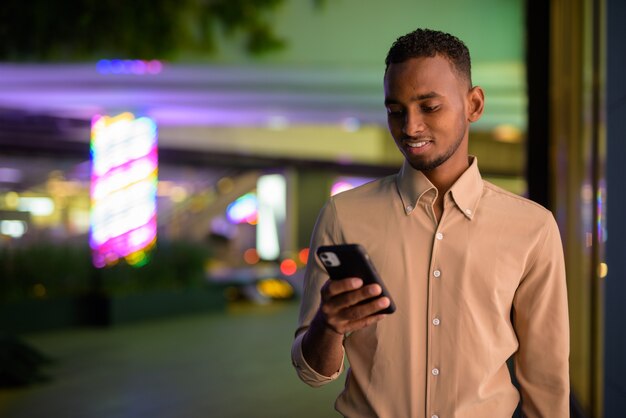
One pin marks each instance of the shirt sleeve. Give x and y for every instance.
(542, 326)
(324, 233)
(306, 373)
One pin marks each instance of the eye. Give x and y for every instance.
(395, 111)
(430, 109)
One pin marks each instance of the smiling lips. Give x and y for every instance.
(416, 143)
(419, 144)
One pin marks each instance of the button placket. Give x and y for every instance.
(434, 346)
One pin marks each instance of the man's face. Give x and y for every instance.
(429, 109)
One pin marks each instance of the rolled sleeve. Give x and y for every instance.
(324, 233)
(305, 372)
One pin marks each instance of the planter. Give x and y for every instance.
(31, 315)
(105, 310)
(110, 310)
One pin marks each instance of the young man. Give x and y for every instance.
(476, 273)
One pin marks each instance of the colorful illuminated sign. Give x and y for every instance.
(138, 67)
(244, 209)
(123, 189)
(272, 210)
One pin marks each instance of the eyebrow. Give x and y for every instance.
(429, 95)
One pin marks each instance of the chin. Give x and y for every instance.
(426, 165)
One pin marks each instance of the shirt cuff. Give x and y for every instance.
(305, 372)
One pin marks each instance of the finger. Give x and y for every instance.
(341, 319)
(333, 288)
(354, 297)
(362, 323)
(364, 310)
(373, 289)
(353, 317)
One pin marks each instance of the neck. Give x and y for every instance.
(443, 181)
(444, 177)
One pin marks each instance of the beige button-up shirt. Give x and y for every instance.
(485, 283)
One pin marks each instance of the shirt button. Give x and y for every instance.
(436, 273)
(436, 322)
(439, 236)
(434, 416)
(409, 208)
(435, 372)
(468, 211)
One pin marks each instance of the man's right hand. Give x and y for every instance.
(342, 310)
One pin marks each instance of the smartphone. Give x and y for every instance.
(351, 260)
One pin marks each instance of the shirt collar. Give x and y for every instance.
(465, 192)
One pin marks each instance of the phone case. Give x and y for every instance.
(351, 260)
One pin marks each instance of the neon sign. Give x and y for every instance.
(244, 209)
(272, 211)
(123, 189)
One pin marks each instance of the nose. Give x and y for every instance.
(413, 124)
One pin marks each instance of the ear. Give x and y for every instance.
(475, 103)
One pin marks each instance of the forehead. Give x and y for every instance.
(423, 74)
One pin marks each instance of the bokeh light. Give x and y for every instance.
(136, 67)
(250, 256)
(303, 255)
(288, 267)
(343, 184)
(123, 189)
(275, 289)
(244, 209)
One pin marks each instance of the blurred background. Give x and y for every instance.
(162, 165)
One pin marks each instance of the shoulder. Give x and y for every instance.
(504, 200)
(522, 221)
(368, 192)
(516, 214)
(365, 203)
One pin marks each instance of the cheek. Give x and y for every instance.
(449, 121)
(395, 127)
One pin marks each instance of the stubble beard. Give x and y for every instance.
(425, 165)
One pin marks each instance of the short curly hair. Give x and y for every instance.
(428, 43)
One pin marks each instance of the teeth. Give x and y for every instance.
(417, 144)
